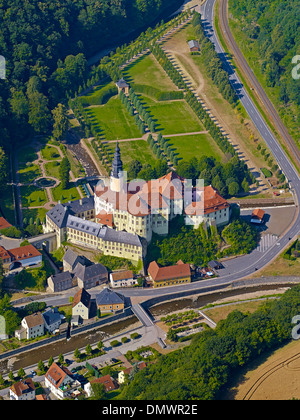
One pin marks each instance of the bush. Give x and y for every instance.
(115, 343)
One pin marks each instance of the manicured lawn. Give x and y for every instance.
(62, 195)
(33, 197)
(113, 121)
(197, 145)
(173, 117)
(147, 71)
(131, 150)
(50, 153)
(52, 169)
(28, 174)
(34, 213)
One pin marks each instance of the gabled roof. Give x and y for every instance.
(51, 316)
(24, 252)
(61, 277)
(82, 296)
(193, 43)
(73, 259)
(85, 273)
(122, 275)
(34, 320)
(57, 374)
(107, 381)
(165, 273)
(23, 387)
(109, 297)
(4, 223)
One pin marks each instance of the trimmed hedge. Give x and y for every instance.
(99, 97)
(156, 94)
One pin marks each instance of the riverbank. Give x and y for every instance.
(109, 332)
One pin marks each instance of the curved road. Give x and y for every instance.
(247, 265)
(280, 127)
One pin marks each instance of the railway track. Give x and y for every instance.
(253, 82)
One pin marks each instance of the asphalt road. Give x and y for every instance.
(255, 85)
(247, 265)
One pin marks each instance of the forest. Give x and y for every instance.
(46, 45)
(272, 32)
(203, 369)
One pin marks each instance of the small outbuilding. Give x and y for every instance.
(194, 46)
(258, 216)
(123, 86)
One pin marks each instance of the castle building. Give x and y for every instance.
(121, 217)
(144, 208)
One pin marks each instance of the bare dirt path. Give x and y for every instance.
(178, 51)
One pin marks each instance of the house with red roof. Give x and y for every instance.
(60, 381)
(22, 390)
(179, 273)
(23, 256)
(4, 224)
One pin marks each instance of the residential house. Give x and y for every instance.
(32, 326)
(109, 301)
(179, 273)
(81, 304)
(71, 259)
(23, 390)
(108, 382)
(52, 319)
(23, 256)
(122, 279)
(60, 381)
(4, 224)
(121, 375)
(89, 276)
(60, 281)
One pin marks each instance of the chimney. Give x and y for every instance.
(80, 201)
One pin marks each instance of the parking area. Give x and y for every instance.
(276, 220)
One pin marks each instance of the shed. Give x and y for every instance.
(194, 45)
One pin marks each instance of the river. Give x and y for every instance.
(107, 331)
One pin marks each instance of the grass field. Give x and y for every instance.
(172, 117)
(113, 121)
(33, 197)
(28, 174)
(131, 150)
(59, 194)
(197, 145)
(147, 71)
(50, 153)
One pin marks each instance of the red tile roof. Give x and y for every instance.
(122, 275)
(4, 223)
(107, 381)
(105, 219)
(140, 200)
(23, 387)
(172, 272)
(259, 213)
(24, 252)
(57, 374)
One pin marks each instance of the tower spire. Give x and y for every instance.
(117, 165)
